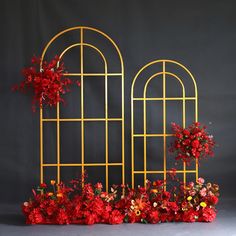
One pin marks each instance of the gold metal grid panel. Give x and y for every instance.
(82, 119)
(164, 135)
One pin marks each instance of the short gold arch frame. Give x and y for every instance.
(82, 119)
(163, 73)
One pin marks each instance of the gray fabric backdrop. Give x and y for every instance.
(199, 34)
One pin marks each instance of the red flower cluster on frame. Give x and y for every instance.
(89, 204)
(192, 143)
(47, 83)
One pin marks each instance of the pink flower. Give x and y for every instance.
(192, 192)
(200, 181)
(203, 192)
(191, 184)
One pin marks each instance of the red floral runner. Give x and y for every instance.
(74, 204)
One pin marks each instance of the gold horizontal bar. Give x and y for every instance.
(162, 172)
(85, 164)
(163, 99)
(85, 119)
(153, 135)
(92, 74)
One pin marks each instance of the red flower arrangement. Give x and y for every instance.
(47, 84)
(192, 143)
(75, 204)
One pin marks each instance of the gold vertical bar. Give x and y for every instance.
(184, 124)
(41, 145)
(123, 127)
(58, 142)
(82, 101)
(132, 141)
(144, 141)
(196, 119)
(106, 130)
(164, 121)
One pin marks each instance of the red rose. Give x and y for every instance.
(121, 204)
(207, 214)
(116, 217)
(43, 185)
(213, 200)
(90, 218)
(186, 142)
(98, 186)
(45, 82)
(37, 80)
(179, 135)
(35, 217)
(186, 132)
(195, 143)
(163, 217)
(50, 210)
(166, 195)
(173, 206)
(153, 217)
(62, 217)
(197, 154)
(106, 214)
(131, 217)
(98, 206)
(159, 183)
(190, 216)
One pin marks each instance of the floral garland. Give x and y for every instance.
(47, 83)
(84, 203)
(192, 143)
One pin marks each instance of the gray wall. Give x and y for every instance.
(199, 34)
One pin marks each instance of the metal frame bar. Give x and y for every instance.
(84, 119)
(164, 135)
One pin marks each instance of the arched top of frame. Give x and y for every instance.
(82, 28)
(86, 45)
(161, 73)
(164, 62)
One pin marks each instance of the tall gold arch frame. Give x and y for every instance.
(82, 75)
(164, 134)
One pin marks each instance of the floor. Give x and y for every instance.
(12, 223)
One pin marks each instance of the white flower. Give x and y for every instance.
(154, 204)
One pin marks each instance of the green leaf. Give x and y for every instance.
(126, 219)
(144, 221)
